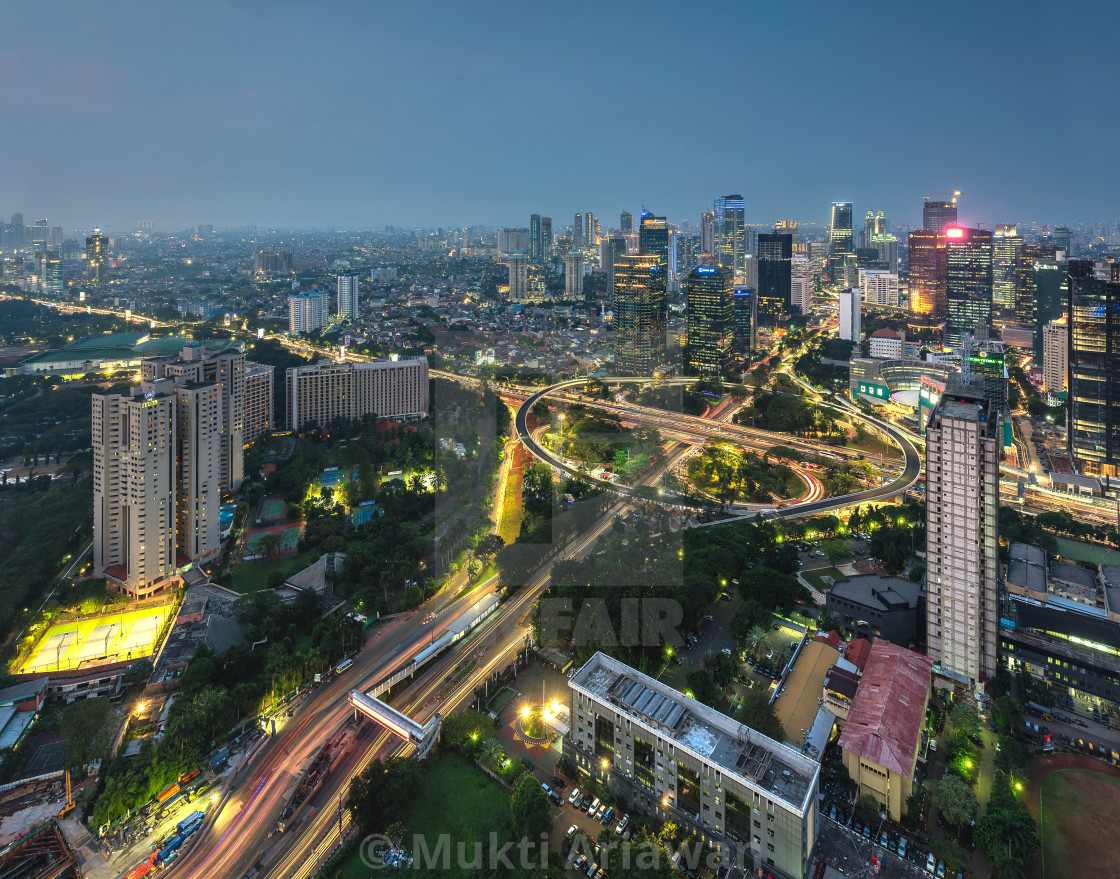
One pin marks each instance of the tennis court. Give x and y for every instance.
(289, 539)
(47, 758)
(112, 637)
(273, 509)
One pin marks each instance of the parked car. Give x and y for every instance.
(940, 869)
(559, 783)
(622, 825)
(931, 863)
(902, 847)
(574, 796)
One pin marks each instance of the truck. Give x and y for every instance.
(220, 760)
(167, 793)
(191, 823)
(1038, 710)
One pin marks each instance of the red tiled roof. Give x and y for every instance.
(857, 652)
(885, 333)
(831, 639)
(841, 681)
(885, 723)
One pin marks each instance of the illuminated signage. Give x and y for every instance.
(954, 232)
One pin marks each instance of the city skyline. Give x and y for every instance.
(203, 120)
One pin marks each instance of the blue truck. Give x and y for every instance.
(183, 831)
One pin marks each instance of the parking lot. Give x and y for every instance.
(566, 815)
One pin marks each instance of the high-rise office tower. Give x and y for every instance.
(711, 320)
(348, 295)
(745, 308)
(535, 245)
(518, 276)
(801, 283)
(577, 231)
(589, 230)
(1094, 368)
(987, 363)
(1055, 356)
(308, 312)
(40, 234)
(938, 214)
(626, 223)
(787, 227)
(639, 313)
(1004, 245)
(1051, 292)
(573, 275)
(968, 283)
(653, 237)
(546, 239)
(52, 272)
(878, 287)
(1062, 240)
(840, 230)
(259, 395)
(610, 249)
(225, 368)
(134, 490)
(708, 232)
(850, 328)
(97, 257)
(962, 532)
(686, 252)
(17, 232)
(321, 393)
(1026, 257)
(729, 232)
(774, 272)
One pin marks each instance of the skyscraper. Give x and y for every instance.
(577, 231)
(1062, 240)
(774, 272)
(1094, 367)
(260, 392)
(308, 312)
(787, 227)
(840, 230)
(348, 295)
(968, 282)
(801, 283)
(573, 275)
(708, 232)
(850, 328)
(626, 223)
(546, 239)
(653, 237)
(745, 306)
(610, 249)
(589, 229)
(535, 239)
(962, 532)
(52, 272)
(134, 490)
(1026, 257)
(639, 313)
(729, 231)
(686, 253)
(1004, 244)
(711, 320)
(1055, 356)
(518, 276)
(97, 257)
(938, 214)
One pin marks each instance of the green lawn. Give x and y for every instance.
(814, 577)
(253, 576)
(1078, 816)
(457, 799)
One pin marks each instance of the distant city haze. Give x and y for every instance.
(357, 115)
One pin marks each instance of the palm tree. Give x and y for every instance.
(758, 641)
(492, 752)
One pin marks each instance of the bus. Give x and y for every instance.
(342, 666)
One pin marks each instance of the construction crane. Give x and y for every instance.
(69, 807)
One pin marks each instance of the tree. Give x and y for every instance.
(528, 808)
(964, 717)
(1010, 830)
(869, 808)
(702, 684)
(835, 550)
(955, 800)
(80, 726)
(376, 795)
(758, 713)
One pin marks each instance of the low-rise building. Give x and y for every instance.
(736, 790)
(886, 344)
(870, 606)
(882, 736)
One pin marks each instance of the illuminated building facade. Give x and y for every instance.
(1005, 243)
(968, 283)
(938, 215)
(927, 274)
(745, 308)
(711, 320)
(840, 230)
(97, 257)
(639, 313)
(729, 232)
(1094, 368)
(774, 273)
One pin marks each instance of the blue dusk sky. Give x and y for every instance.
(362, 114)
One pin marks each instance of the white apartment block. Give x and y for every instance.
(308, 312)
(878, 287)
(849, 315)
(348, 295)
(1055, 356)
(259, 379)
(744, 795)
(573, 275)
(886, 344)
(197, 364)
(801, 294)
(134, 488)
(323, 392)
(518, 276)
(962, 525)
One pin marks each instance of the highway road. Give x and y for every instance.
(909, 475)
